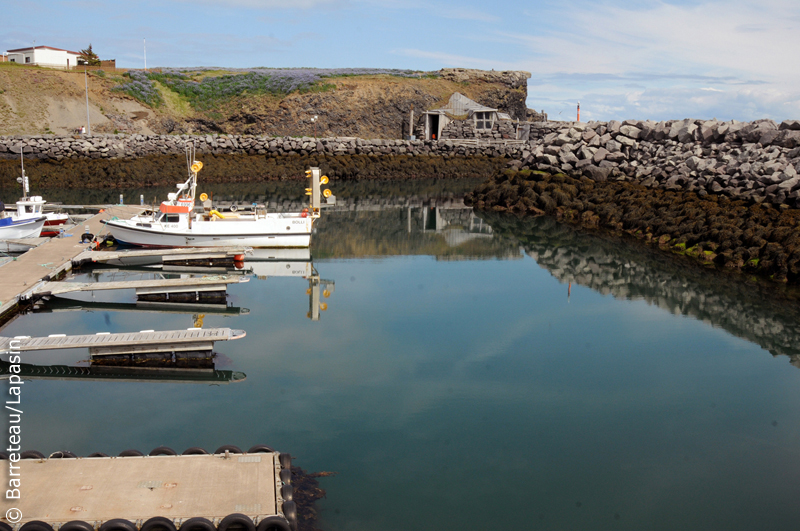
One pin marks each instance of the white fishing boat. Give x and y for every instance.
(32, 208)
(177, 223)
(12, 229)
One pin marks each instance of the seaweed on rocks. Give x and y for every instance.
(715, 230)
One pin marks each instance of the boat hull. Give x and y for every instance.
(211, 234)
(18, 230)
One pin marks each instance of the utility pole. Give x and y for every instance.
(86, 80)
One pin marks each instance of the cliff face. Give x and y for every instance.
(40, 101)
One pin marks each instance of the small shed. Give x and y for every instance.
(460, 107)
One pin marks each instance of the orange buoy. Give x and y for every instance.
(238, 258)
(238, 264)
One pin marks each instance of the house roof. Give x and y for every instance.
(460, 104)
(41, 48)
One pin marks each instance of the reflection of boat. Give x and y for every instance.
(176, 224)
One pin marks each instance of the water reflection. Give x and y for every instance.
(624, 270)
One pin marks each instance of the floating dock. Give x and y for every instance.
(146, 341)
(228, 489)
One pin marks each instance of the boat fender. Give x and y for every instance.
(76, 525)
(234, 208)
(238, 258)
(290, 512)
(31, 454)
(229, 448)
(287, 492)
(5, 527)
(98, 454)
(62, 454)
(198, 523)
(274, 523)
(194, 450)
(3, 456)
(238, 521)
(260, 449)
(36, 525)
(163, 450)
(131, 453)
(118, 524)
(286, 461)
(286, 476)
(157, 523)
(215, 213)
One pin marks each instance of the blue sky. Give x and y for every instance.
(647, 59)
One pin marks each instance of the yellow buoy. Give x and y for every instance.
(327, 193)
(203, 197)
(323, 179)
(323, 306)
(197, 166)
(308, 291)
(326, 294)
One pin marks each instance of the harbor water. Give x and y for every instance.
(468, 372)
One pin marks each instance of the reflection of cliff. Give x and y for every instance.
(448, 231)
(764, 315)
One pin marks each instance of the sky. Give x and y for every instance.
(645, 59)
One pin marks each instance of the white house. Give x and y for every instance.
(44, 56)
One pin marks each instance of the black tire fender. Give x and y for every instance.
(163, 450)
(229, 448)
(290, 512)
(130, 453)
(157, 523)
(31, 454)
(286, 476)
(4, 527)
(286, 461)
(194, 450)
(3, 456)
(76, 525)
(98, 454)
(62, 454)
(36, 525)
(274, 523)
(198, 523)
(118, 524)
(287, 492)
(260, 449)
(238, 521)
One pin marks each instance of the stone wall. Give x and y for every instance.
(457, 129)
(756, 161)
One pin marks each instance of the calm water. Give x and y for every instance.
(474, 374)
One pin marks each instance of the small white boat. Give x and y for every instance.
(11, 229)
(177, 224)
(31, 208)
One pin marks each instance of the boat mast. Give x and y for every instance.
(24, 179)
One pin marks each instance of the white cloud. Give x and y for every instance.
(683, 48)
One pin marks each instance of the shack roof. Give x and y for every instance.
(459, 105)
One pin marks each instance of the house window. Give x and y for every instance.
(483, 120)
(27, 59)
(13, 60)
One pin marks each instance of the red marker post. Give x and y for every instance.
(579, 111)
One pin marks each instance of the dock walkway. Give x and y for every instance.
(50, 258)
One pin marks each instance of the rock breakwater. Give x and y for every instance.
(757, 162)
(715, 230)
